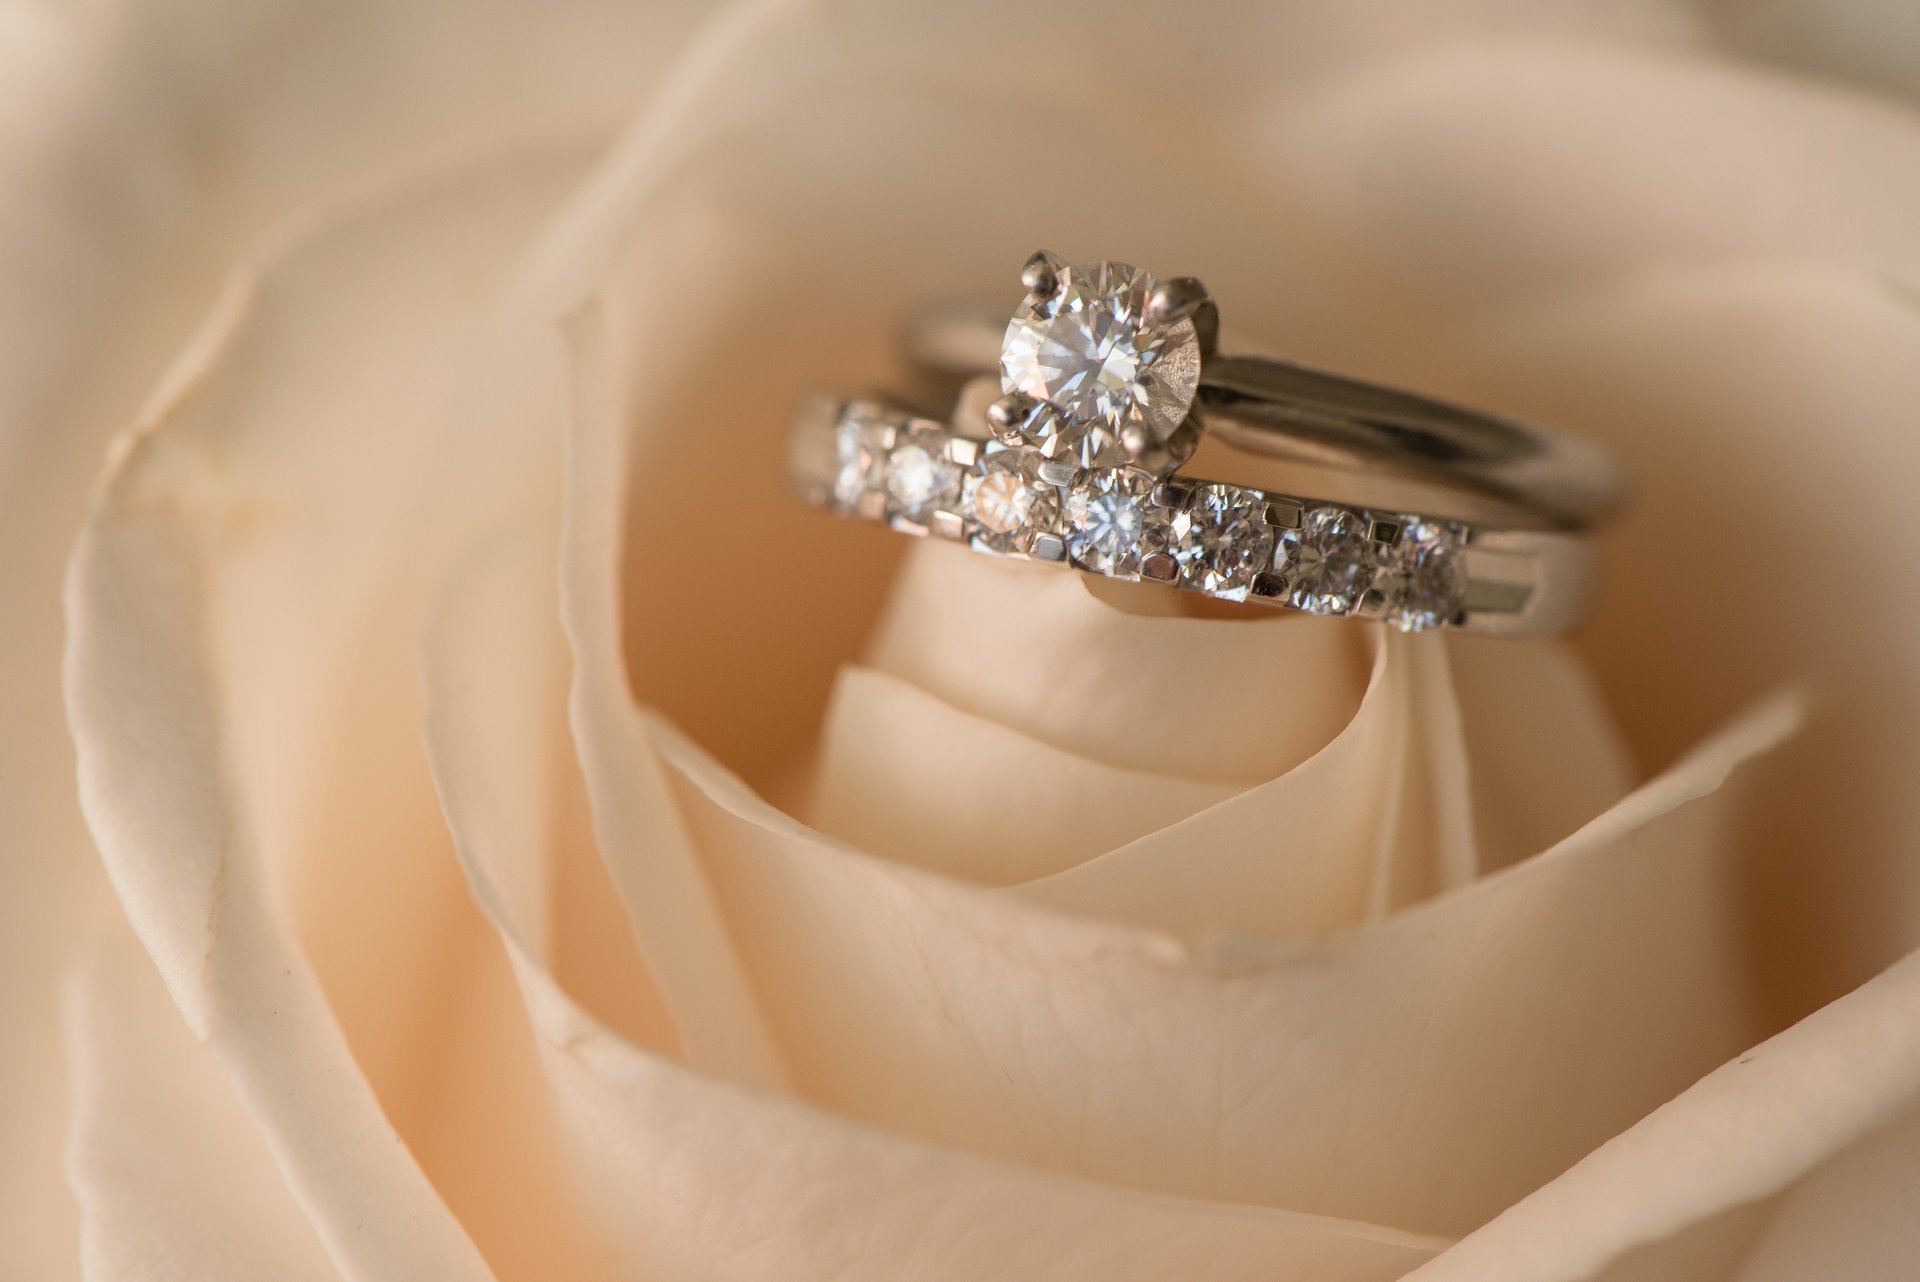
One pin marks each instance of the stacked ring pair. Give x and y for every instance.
(1108, 380)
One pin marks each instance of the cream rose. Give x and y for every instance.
(536, 848)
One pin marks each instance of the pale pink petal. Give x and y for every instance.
(657, 874)
(144, 150)
(1622, 164)
(905, 775)
(1747, 1131)
(152, 767)
(1796, 390)
(1330, 843)
(244, 610)
(1223, 708)
(909, 776)
(686, 1175)
(1544, 755)
(1869, 42)
(1251, 1070)
(1851, 1218)
(172, 1178)
(1713, 269)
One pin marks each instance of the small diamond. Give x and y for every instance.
(1421, 575)
(1325, 561)
(1112, 522)
(1221, 540)
(920, 479)
(1008, 502)
(860, 447)
(1108, 371)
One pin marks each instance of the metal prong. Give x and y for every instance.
(1269, 586)
(1041, 274)
(1282, 515)
(948, 525)
(1008, 414)
(1172, 494)
(1057, 471)
(1384, 532)
(1185, 298)
(1159, 567)
(1047, 546)
(962, 452)
(1177, 298)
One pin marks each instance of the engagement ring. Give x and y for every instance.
(1108, 378)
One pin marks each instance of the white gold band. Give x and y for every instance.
(1109, 377)
(1230, 542)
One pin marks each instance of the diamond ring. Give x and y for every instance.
(1108, 379)
(1410, 570)
(1105, 366)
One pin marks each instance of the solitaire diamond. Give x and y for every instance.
(1111, 521)
(1422, 577)
(1008, 501)
(1221, 541)
(1116, 381)
(1326, 561)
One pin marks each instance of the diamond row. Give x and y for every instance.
(1223, 540)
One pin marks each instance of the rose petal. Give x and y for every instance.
(1270, 1073)
(667, 899)
(246, 558)
(1377, 819)
(171, 1176)
(1746, 1131)
(150, 756)
(1383, 816)
(1620, 161)
(1071, 670)
(1543, 753)
(908, 776)
(143, 149)
(1726, 298)
(1862, 40)
(1850, 1219)
(1791, 384)
(688, 1175)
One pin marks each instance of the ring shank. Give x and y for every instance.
(1264, 405)
(1516, 582)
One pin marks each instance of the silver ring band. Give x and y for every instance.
(1230, 542)
(1108, 378)
(1264, 405)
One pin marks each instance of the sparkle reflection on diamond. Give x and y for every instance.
(1326, 560)
(1091, 352)
(1221, 541)
(919, 477)
(1422, 576)
(1110, 521)
(860, 456)
(1001, 501)
(1007, 501)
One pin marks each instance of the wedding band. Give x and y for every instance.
(1230, 542)
(1107, 366)
(1108, 378)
